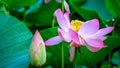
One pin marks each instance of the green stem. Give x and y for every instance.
(75, 62)
(63, 6)
(62, 45)
(53, 22)
(62, 56)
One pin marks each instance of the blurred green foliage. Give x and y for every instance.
(20, 18)
(19, 3)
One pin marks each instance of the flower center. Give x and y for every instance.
(76, 24)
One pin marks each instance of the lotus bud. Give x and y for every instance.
(37, 51)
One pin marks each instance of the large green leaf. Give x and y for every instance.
(19, 3)
(44, 16)
(113, 6)
(14, 42)
(85, 58)
(84, 13)
(99, 7)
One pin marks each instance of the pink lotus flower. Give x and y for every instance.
(79, 33)
(90, 35)
(60, 1)
(63, 31)
(37, 51)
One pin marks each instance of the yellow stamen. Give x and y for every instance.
(76, 24)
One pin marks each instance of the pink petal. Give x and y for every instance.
(46, 1)
(102, 38)
(72, 53)
(95, 43)
(89, 27)
(66, 6)
(64, 35)
(53, 41)
(61, 19)
(104, 31)
(66, 15)
(74, 36)
(93, 49)
(37, 39)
